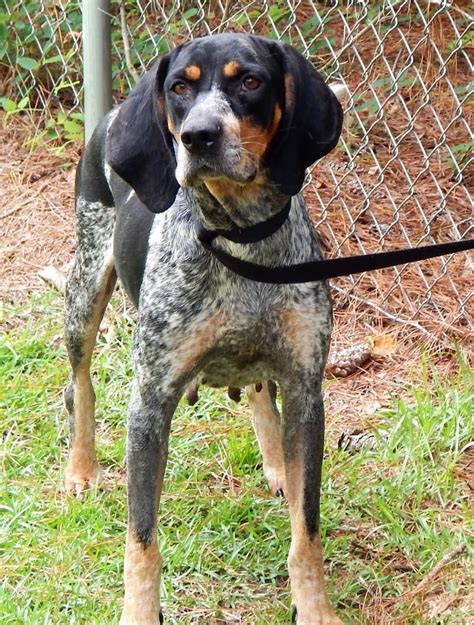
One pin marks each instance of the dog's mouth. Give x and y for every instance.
(192, 171)
(246, 176)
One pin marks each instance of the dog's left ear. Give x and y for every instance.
(311, 123)
(139, 144)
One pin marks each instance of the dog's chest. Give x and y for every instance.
(225, 339)
(241, 342)
(199, 321)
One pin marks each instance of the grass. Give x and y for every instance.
(389, 513)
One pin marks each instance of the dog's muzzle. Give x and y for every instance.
(201, 137)
(210, 145)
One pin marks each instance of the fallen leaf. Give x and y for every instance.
(381, 344)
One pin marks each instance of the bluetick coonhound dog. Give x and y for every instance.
(217, 134)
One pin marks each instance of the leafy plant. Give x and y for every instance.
(11, 107)
(35, 49)
(460, 155)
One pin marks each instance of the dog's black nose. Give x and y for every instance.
(198, 137)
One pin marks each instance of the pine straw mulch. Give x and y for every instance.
(36, 217)
(416, 193)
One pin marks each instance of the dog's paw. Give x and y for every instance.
(322, 618)
(276, 480)
(128, 619)
(79, 479)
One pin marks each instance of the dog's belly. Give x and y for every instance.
(235, 372)
(248, 351)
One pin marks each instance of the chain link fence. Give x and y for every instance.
(401, 174)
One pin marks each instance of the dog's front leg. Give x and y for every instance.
(149, 421)
(303, 438)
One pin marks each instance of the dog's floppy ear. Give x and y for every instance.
(311, 123)
(139, 145)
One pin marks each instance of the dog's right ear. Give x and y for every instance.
(139, 144)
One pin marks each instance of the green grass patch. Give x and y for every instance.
(389, 514)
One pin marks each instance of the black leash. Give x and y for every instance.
(319, 269)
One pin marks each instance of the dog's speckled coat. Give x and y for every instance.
(235, 120)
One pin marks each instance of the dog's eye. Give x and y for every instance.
(179, 87)
(251, 83)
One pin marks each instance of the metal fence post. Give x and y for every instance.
(97, 62)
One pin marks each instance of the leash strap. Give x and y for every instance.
(319, 269)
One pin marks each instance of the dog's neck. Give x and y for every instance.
(294, 241)
(233, 208)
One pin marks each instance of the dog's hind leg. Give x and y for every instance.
(303, 438)
(266, 423)
(88, 290)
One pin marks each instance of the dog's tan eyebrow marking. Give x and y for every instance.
(172, 128)
(192, 72)
(231, 69)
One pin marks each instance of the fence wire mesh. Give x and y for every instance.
(400, 175)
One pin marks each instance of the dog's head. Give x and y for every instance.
(224, 111)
